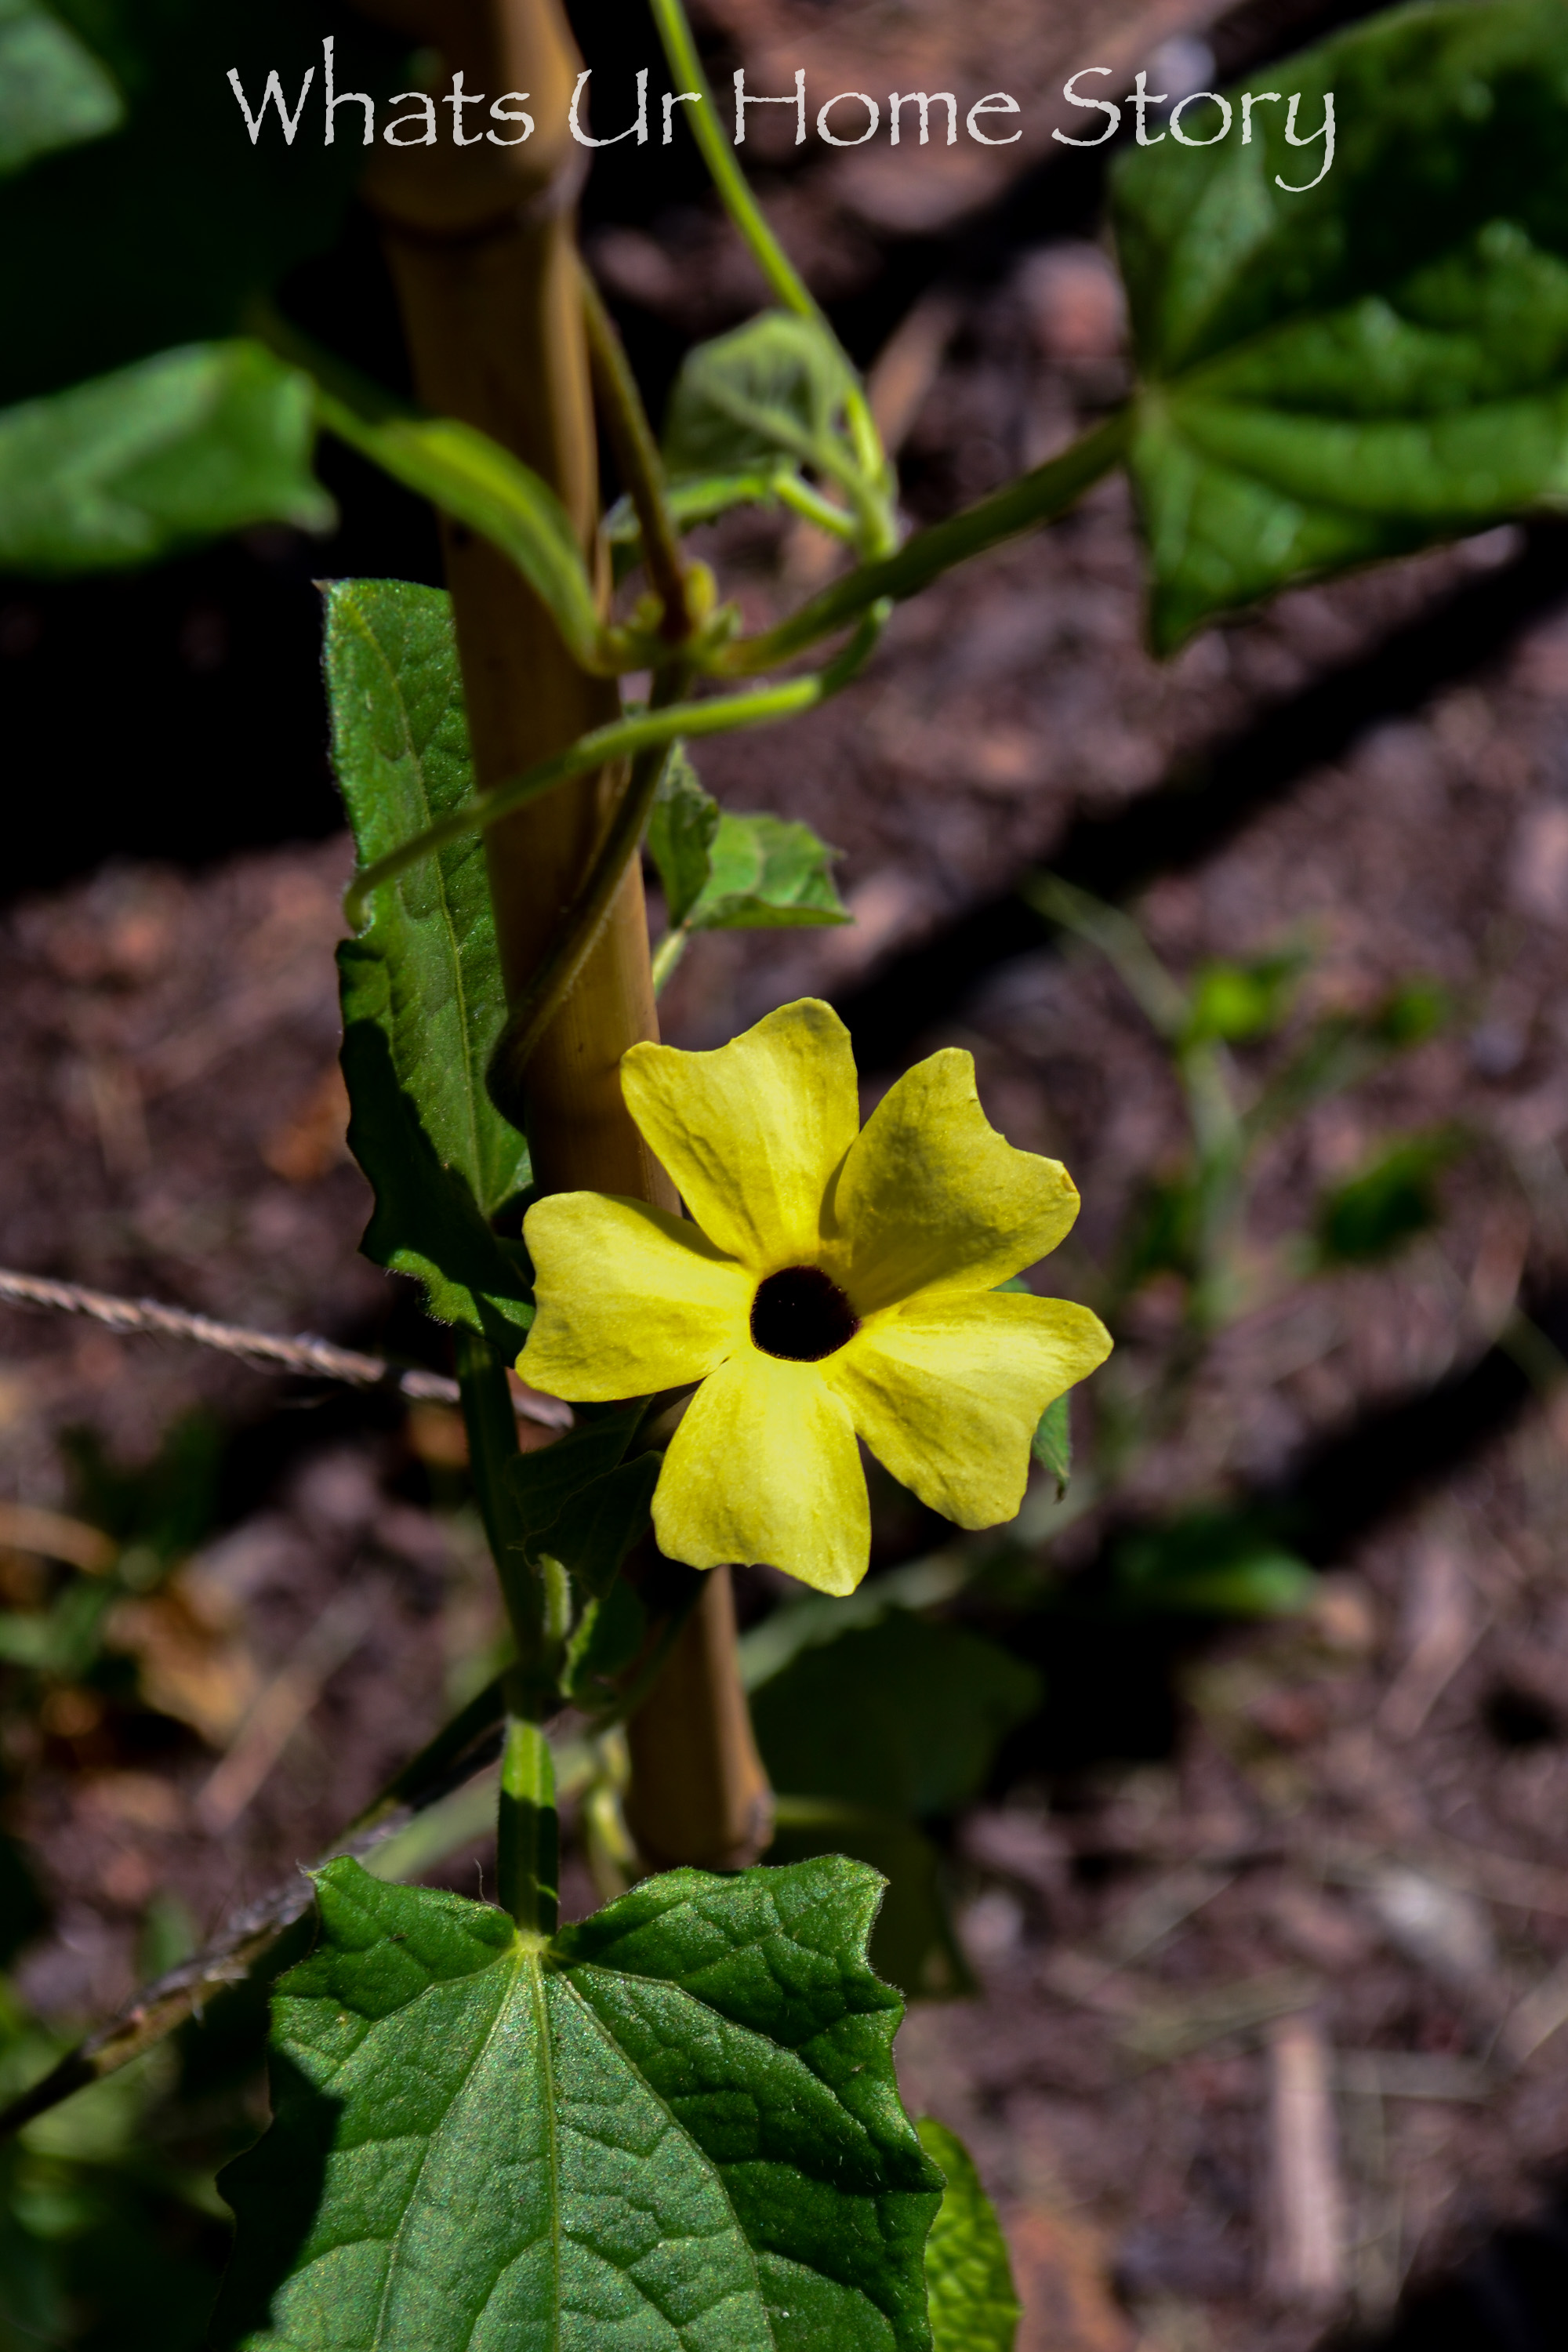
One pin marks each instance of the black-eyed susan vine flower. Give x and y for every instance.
(835, 1282)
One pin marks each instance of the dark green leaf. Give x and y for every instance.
(1411, 1015)
(774, 387)
(676, 2126)
(913, 1944)
(608, 1638)
(598, 1527)
(1052, 1447)
(681, 835)
(973, 2304)
(155, 457)
(904, 1717)
(543, 1484)
(1211, 1564)
(766, 873)
(160, 234)
(53, 90)
(1387, 1204)
(422, 992)
(1358, 370)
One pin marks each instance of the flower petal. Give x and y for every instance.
(753, 1133)
(932, 1200)
(630, 1299)
(764, 1468)
(948, 1394)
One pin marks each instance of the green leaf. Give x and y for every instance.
(159, 234)
(903, 1715)
(720, 872)
(774, 387)
(598, 1527)
(1357, 371)
(479, 483)
(766, 873)
(702, 497)
(53, 90)
(156, 457)
(547, 1484)
(1211, 1564)
(1236, 1002)
(1052, 1446)
(681, 835)
(913, 1944)
(421, 987)
(974, 2305)
(608, 1638)
(675, 2126)
(1387, 1203)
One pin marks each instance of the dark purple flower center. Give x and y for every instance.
(801, 1314)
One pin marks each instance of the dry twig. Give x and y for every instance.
(301, 1354)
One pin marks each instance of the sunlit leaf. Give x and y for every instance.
(766, 873)
(156, 457)
(913, 1943)
(773, 388)
(421, 986)
(475, 480)
(973, 2304)
(680, 836)
(675, 2125)
(1354, 370)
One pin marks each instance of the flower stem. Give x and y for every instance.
(528, 1835)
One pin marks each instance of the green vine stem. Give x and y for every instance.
(638, 731)
(1034, 498)
(788, 288)
(527, 1836)
(735, 194)
(636, 455)
(580, 927)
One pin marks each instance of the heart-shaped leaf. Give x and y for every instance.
(421, 986)
(1380, 360)
(773, 388)
(675, 2125)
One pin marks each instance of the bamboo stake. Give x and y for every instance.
(481, 245)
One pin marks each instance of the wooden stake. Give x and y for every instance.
(482, 248)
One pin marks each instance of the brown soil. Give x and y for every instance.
(1349, 1868)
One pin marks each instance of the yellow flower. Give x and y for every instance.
(835, 1284)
